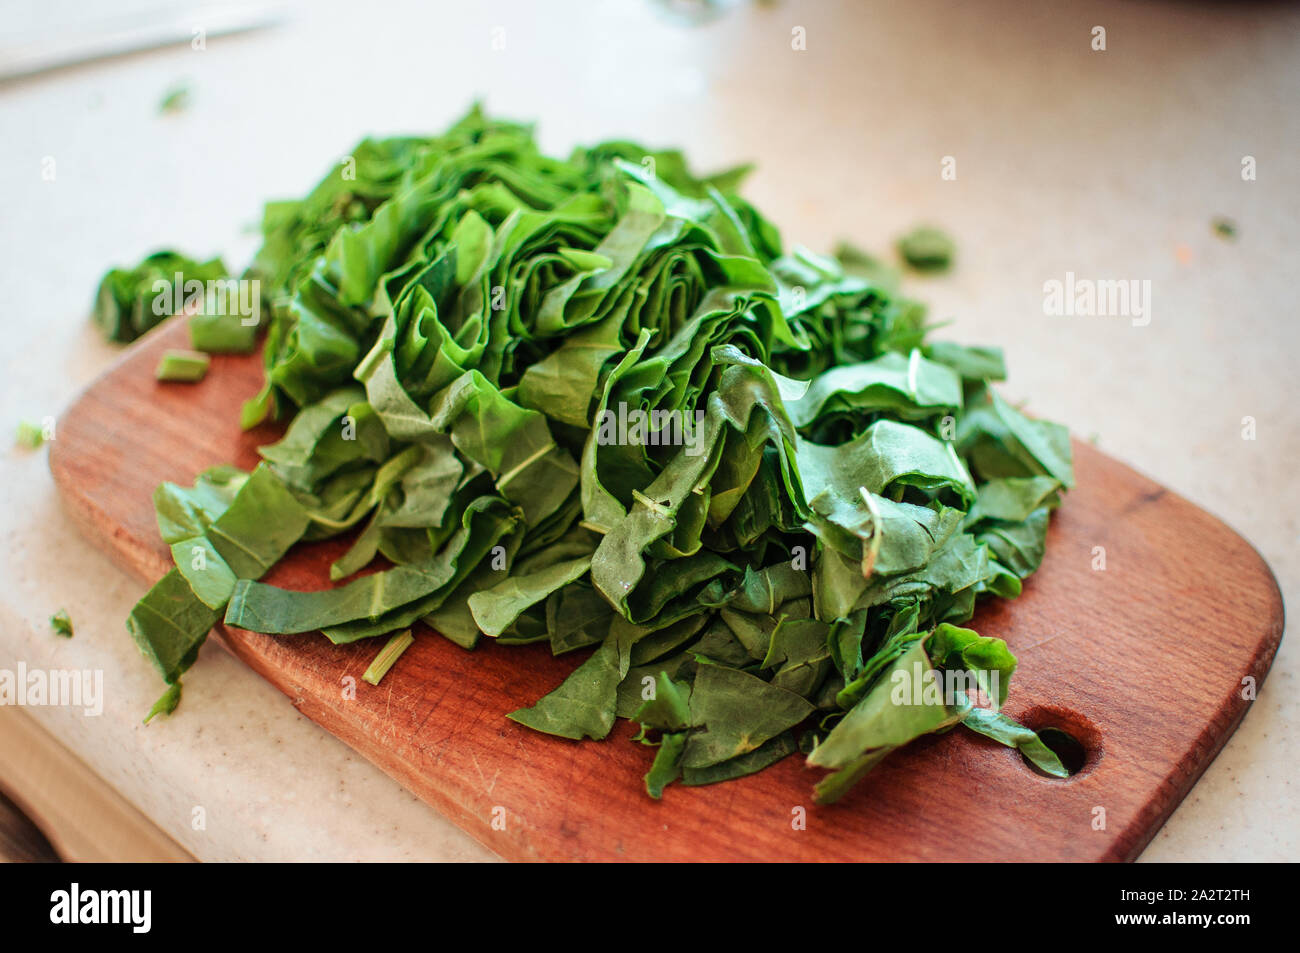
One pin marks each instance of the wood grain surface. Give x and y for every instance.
(79, 818)
(1143, 662)
(21, 841)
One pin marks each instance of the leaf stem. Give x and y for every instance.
(389, 654)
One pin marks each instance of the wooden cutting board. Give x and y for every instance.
(1142, 662)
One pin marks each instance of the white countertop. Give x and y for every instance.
(1107, 164)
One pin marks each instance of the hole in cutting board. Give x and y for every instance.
(1066, 747)
(1073, 738)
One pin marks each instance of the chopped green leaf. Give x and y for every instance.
(667, 766)
(222, 333)
(166, 703)
(927, 249)
(177, 365)
(61, 623)
(29, 436)
(175, 99)
(1006, 730)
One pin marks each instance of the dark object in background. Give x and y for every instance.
(21, 841)
(1225, 228)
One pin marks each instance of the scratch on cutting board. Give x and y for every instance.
(489, 785)
(1041, 642)
(388, 708)
(524, 761)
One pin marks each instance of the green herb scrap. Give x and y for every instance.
(927, 249)
(180, 365)
(222, 333)
(29, 436)
(176, 99)
(594, 403)
(61, 623)
(1224, 228)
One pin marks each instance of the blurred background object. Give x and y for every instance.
(50, 34)
(54, 807)
(20, 840)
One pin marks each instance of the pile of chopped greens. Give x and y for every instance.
(594, 403)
